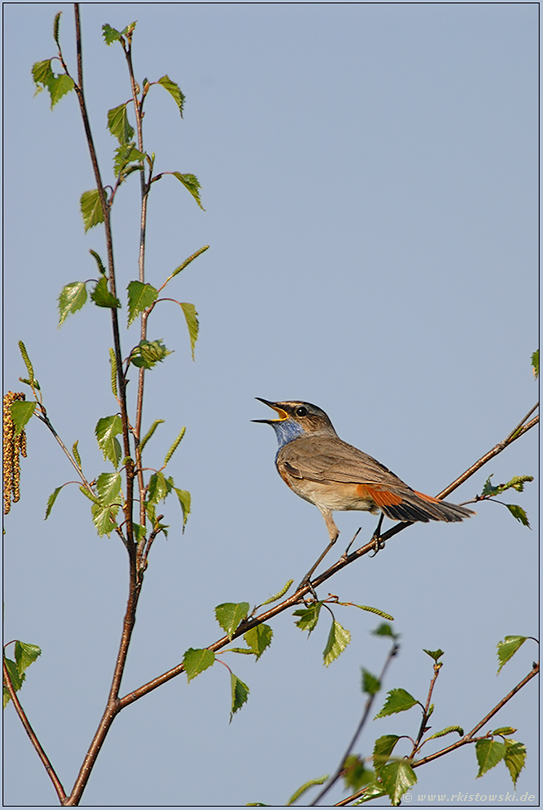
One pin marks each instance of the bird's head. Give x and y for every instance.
(297, 419)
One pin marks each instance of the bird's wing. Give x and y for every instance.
(333, 460)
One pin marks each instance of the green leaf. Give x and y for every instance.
(105, 431)
(51, 500)
(535, 363)
(174, 446)
(140, 532)
(373, 791)
(59, 86)
(230, 615)
(398, 700)
(127, 159)
(308, 616)
(184, 500)
(102, 296)
(108, 486)
(150, 432)
(458, 729)
(104, 517)
(195, 661)
(119, 125)
(385, 629)
(370, 683)
(186, 263)
(508, 647)
(281, 593)
(435, 654)
(42, 73)
(191, 184)
(301, 790)
(240, 693)
(258, 638)
(191, 317)
(44, 78)
(519, 513)
(174, 90)
(25, 654)
(489, 489)
(515, 758)
(15, 677)
(157, 488)
(503, 730)
(148, 353)
(489, 753)
(110, 34)
(338, 639)
(140, 297)
(355, 774)
(21, 412)
(397, 777)
(71, 298)
(382, 749)
(91, 209)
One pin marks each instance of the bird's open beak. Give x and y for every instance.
(282, 414)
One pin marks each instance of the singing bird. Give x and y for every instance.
(334, 476)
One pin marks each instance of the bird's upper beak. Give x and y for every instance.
(280, 411)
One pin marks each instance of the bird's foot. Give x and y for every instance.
(306, 583)
(378, 544)
(343, 557)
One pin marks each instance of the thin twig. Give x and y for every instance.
(424, 720)
(32, 735)
(467, 739)
(45, 419)
(369, 703)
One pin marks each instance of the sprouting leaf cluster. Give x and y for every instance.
(489, 492)
(24, 654)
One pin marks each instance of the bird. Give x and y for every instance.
(335, 476)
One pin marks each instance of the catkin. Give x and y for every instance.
(14, 446)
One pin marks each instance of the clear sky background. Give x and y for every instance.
(370, 179)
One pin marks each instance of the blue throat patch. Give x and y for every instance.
(286, 431)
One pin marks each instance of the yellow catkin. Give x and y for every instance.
(14, 446)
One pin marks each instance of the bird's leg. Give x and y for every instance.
(378, 543)
(307, 577)
(344, 555)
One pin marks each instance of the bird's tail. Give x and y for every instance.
(417, 506)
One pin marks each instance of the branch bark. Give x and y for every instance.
(51, 773)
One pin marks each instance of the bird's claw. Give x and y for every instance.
(378, 544)
(307, 583)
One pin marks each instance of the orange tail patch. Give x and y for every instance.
(382, 497)
(426, 497)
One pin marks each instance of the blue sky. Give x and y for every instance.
(370, 179)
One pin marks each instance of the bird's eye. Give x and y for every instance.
(301, 411)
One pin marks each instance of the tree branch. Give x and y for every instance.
(345, 560)
(32, 735)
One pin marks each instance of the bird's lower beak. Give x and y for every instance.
(282, 413)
